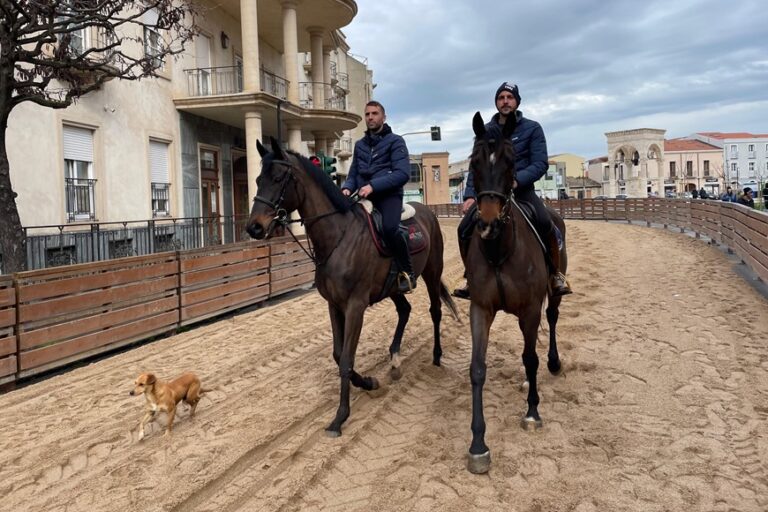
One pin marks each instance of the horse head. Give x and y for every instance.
(493, 167)
(276, 194)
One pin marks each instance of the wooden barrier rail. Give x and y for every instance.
(52, 317)
(741, 229)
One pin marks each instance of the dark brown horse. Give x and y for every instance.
(350, 273)
(507, 271)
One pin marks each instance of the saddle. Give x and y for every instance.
(530, 213)
(408, 226)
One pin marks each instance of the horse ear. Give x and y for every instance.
(260, 148)
(276, 149)
(478, 125)
(509, 126)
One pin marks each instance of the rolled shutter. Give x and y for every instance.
(78, 144)
(158, 161)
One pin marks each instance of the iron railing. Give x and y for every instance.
(81, 199)
(306, 100)
(274, 84)
(51, 246)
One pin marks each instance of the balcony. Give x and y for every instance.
(80, 198)
(229, 80)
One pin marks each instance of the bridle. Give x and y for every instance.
(281, 216)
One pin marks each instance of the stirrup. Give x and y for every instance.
(563, 288)
(409, 284)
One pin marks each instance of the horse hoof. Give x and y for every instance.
(395, 373)
(529, 423)
(525, 385)
(330, 432)
(479, 464)
(374, 384)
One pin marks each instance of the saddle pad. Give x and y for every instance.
(408, 210)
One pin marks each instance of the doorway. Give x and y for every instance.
(210, 188)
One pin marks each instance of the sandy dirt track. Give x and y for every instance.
(663, 407)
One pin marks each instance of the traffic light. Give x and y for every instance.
(316, 161)
(327, 163)
(435, 132)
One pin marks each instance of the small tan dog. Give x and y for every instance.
(165, 396)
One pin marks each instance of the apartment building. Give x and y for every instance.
(744, 156)
(183, 145)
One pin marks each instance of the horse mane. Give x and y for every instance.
(339, 200)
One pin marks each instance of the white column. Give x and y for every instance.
(252, 134)
(321, 143)
(250, 29)
(294, 136)
(327, 72)
(290, 49)
(318, 89)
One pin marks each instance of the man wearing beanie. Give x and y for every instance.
(531, 163)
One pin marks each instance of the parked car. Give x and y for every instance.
(600, 197)
(670, 195)
(622, 196)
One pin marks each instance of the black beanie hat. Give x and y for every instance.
(506, 86)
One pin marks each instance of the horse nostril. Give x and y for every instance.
(255, 231)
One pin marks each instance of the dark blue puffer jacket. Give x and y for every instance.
(381, 160)
(531, 159)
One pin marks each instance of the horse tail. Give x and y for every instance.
(445, 296)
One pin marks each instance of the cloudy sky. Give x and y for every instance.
(584, 67)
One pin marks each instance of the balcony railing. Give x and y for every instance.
(214, 81)
(229, 80)
(50, 246)
(274, 85)
(306, 92)
(80, 197)
(342, 81)
(343, 144)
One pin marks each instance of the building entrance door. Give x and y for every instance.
(240, 193)
(209, 185)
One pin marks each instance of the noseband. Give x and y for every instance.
(281, 216)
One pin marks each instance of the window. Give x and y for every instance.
(734, 151)
(706, 168)
(436, 172)
(239, 81)
(78, 173)
(153, 41)
(158, 166)
(80, 41)
(689, 168)
(606, 173)
(751, 151)
(415, 173)
(734, 168)
(672, 170)
(751, 168)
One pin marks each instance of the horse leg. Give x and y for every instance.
(353, 324)
(479, 455)
(529, 325)
(337, 326)
(403, 313)
(553, 358)
(436, 312)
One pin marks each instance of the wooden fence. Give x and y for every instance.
(49, 318)
(52, 317)
(743, 230)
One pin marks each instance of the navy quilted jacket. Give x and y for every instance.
(530, 153)
(381, 160)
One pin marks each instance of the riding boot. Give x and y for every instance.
(558, 285)
(406, 280)
(462, 292)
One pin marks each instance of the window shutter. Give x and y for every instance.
(78, 144)
(158, 161)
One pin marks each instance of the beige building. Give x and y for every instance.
(430, 181)
(574, 165)
(184, 144)
(641, 163)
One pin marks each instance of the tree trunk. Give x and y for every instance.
(13, 243)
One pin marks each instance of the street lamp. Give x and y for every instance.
(583, 180)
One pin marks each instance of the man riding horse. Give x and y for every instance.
(380, 168)
(531, 164)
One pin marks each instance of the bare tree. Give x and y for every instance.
(52, 52)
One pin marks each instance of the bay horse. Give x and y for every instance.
(350, 273)
(507, 271)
